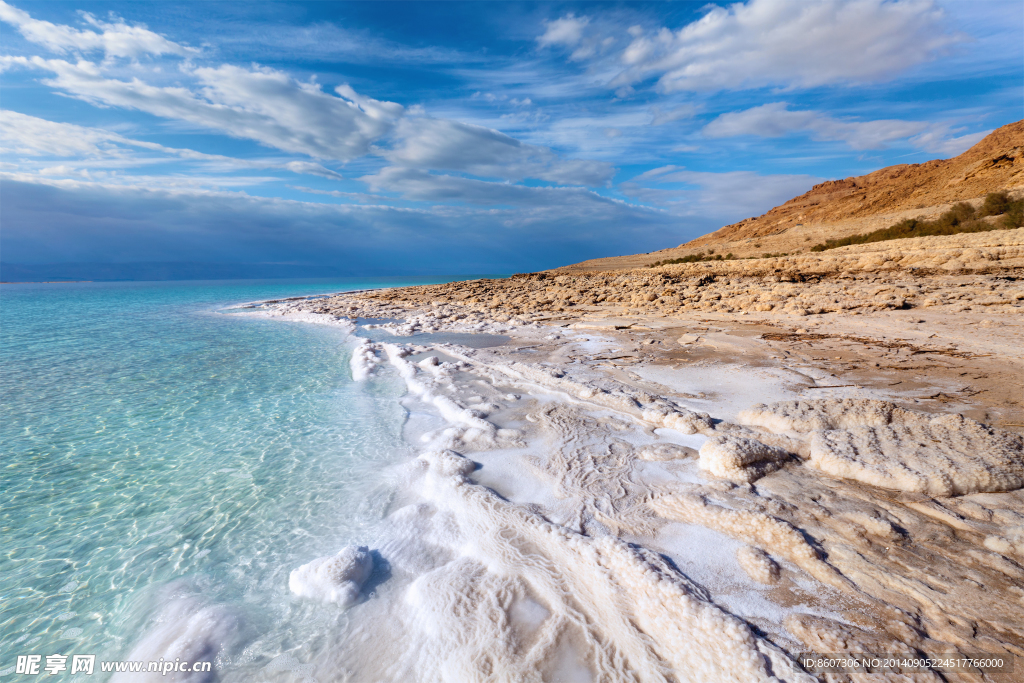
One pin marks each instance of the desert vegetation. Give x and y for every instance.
(963, 217)
(693, 258)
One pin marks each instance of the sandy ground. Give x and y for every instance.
(705, 489)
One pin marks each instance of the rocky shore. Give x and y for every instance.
(847, 423)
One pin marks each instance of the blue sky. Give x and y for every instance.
(406, 137)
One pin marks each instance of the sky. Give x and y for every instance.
(450, 137)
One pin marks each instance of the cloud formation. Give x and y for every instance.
(720, 197)
(567, 31)
(88, 147)
(123, 224)
(114, 39)
(415, 184)
(780, 43)
(442, 144)
(260, 103)
(777, 120)
(498, 148)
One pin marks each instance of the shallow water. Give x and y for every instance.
(156, 449)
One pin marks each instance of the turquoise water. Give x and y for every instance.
(154, 446)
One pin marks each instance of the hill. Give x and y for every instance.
(838, 208)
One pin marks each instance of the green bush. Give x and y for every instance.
(996, 203)
(1014, 217)
(960, 218)
(693, 258)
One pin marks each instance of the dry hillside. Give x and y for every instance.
(838, 208)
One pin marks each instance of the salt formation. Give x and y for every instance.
(665, 451)
(187, 629)
(469, 426)
(879, 443)
(758, 564)
(337, 579)
(740, 459)
(624, 612)
(363, 361)
(948, 456)
(830, 413)
(759, 529)
(540, 584)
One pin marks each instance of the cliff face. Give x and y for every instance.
(995, 163)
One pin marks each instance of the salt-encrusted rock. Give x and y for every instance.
(758, 564)
(666, 451)
(830, 413)
(337, 579)
(948, 456)
(882, 444)
(740, 459)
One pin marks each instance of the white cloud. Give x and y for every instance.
(938, 140)
(725, 197)
(776, 120)
(31, 136)
(443, 144)
(567, 31)
(418, 185)
(272, 108)
(115, 39)
(358, 196)
(788, 43)
(260, 104)
(661, 116)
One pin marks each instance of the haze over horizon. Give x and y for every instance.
(443, 138)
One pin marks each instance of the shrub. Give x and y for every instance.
(995, 203)
(960, 218)
(692, 258)
(1014, 217)
(960, 213)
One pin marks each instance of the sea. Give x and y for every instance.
(166, 455)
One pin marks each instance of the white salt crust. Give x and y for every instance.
(337, 579)
(363, 361)
(740, 459)
(187, 629)
(623, 610)
(881, 444)
(630, 614)
(515, 591)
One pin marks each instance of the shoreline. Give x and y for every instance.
(670, 385)
(595, 420)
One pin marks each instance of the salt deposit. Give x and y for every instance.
(363, 361)
(665, 451)
(879, 443)
(758, 564)
(556, 580)
(946, 457)
(187, 629)
(336, 579)
(740, 459)
(809, 416)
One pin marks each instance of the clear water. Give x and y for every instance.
(152, 444)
